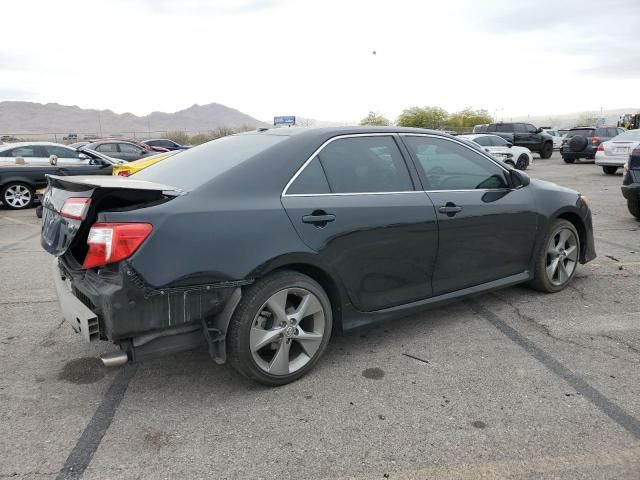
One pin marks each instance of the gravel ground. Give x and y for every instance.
(512, 384)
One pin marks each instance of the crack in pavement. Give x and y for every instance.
(541, 327)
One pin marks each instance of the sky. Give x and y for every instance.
(315, 58)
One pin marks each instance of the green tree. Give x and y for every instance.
(375, 119)
(427, 117)
(468, 118)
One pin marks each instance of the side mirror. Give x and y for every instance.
(539, 130)
(509, 144)
(519, 179)
(53, 160)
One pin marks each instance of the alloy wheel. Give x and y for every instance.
(287, 332)
(17, 196)
(562, 256)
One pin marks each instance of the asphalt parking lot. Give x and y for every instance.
(512, 384)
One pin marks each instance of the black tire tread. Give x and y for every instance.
(540, 281)
(238, 353)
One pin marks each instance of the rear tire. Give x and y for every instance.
(634, 207)
(547, 150)
(609, 170)
(280, 328)
(568, 160)
(558, 258)
(17, 196)
(523, 162)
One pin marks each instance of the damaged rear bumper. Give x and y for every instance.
(117, 305)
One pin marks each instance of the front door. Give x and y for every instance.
(356, 205)
(487, 229)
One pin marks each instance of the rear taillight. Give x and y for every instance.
(601, 147)
(595, 140)
(75, 208)
(112, 242)
(123, 173)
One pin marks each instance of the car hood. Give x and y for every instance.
(544, 185)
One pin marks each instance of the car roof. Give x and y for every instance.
(8, 146)
(471, 136)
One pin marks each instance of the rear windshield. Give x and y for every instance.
(630, 135)
(196, 166)
(585, 132)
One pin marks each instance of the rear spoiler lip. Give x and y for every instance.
(75, 183)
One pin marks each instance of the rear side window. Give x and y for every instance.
(198, 165)
(311, 180)
(504, 127)
(365, 164)
(107, 148)
(447, 165)
(24, 152)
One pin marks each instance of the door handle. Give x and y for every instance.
(450, 209)
(319, 218)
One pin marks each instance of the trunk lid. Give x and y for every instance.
(62, 233)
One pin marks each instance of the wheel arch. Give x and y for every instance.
(324, 278)
(579, 225)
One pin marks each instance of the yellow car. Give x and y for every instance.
(130, 168)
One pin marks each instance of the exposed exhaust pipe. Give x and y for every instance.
(114, 359)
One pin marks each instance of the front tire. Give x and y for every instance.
(17, 196)
(280, 328)
(547, 150)
(609, 170)
(634, 207)
(523, 162)
(568, 160)
(558, 258)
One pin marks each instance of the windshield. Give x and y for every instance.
(198, 165)
(629, 135)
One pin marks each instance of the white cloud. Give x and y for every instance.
(314, 59)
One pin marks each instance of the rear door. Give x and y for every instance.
(110, 149)
(356, 204)
(487, 230)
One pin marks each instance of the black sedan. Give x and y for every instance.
(631, 183)
(165, 143)
(263, 244)
(18, 183)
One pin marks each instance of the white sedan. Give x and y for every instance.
(39, 153)
(518, 157)
(614, 153)
(557, 137)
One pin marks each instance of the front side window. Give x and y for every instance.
(448, 165)
(365, 164)
(61, 152)
(504, 127)
(497, 141)
(483, 141)
(128, 148)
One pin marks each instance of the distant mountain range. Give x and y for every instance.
(37, 118)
